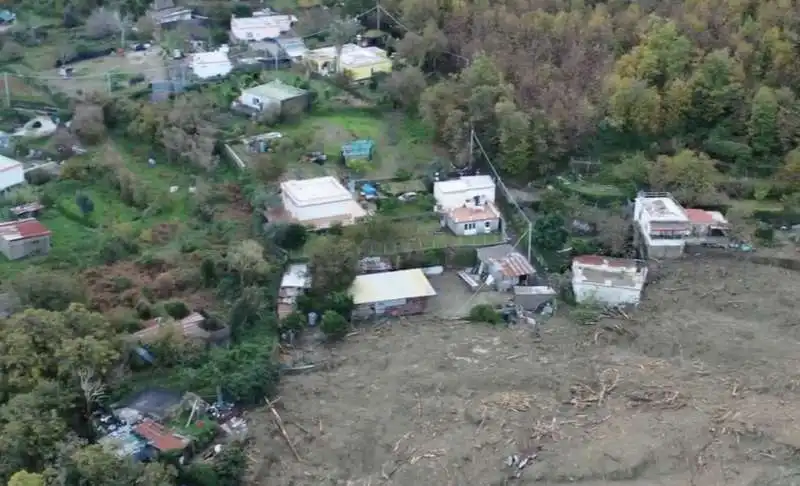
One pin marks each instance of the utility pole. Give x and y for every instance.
(530, 237)
(471, 142)
(108, 82)
(7, 89)
(378, 13)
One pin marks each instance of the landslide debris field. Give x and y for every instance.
(700, 386)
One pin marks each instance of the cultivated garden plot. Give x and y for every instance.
(697, 387)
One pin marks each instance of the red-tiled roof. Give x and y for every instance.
(23, 229)
(469, 214)
(158, 435)
(699, 216)
(601, 260)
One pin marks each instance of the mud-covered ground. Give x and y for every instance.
(700, 386)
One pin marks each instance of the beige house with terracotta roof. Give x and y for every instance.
(472, 219)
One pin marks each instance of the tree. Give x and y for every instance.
(549, 232)
(25, 478)
(231, 465)
(247, 260)
(103, 23)
(342, 32)
(247, 372)
(404, 87)
(763, 123)
(11, 52)
(84, 203)
(634, 106)
(88, 123)
(789, 173)
(40, 345)
(268, 168)
(46, 290)
(334, 325)
(31, 427)
(290, 236)
(95, 466)
(332, 274)
(146, 27)
(690, 176)
(513, 137)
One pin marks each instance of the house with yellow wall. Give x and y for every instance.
(356, 62)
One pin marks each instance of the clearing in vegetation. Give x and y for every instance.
(699, 386)
(399, 143)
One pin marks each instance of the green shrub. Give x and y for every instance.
(777, 218)
(765, 234)
(176, 309)
(585, 315)
(485, 313)
(402, 175)
(121, 284)
(296, 321)
(334, 325)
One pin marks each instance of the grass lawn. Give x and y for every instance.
(75, 243)
(23, 90)
(422, 233)
(400, 143)
(596, 189)
(747, 207)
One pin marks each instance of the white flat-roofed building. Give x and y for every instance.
(260, 27)
(662, 224)
(608, 281)
(403, 292)
(320, 202)
(12, 173)
(213, 64)
(455, 193)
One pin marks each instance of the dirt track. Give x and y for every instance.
(706, 393)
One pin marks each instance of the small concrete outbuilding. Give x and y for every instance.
(24, 237)
(608, 281)
(276, 96)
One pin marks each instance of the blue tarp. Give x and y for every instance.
(369, 189)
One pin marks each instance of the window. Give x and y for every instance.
(469, 226)
(487, 224)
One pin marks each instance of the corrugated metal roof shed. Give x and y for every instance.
(358, 149)
(386, 286)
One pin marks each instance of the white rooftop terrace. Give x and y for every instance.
(313, 192)
(466, 183)
(660, 207)
(353, 56)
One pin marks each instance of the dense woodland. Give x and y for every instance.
(697, 87)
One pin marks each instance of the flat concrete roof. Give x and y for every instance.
(277, 90)
(465, 184)
(353, 56)
(311, 192)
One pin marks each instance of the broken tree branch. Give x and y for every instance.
(279, 422)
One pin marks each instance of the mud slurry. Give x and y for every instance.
(699, 386)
